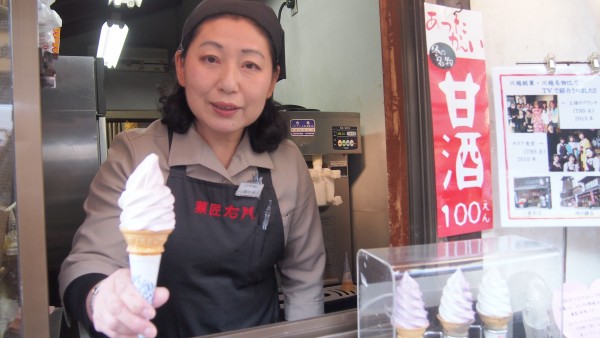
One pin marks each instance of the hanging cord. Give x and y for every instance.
(280, 9)
(459, 4)
(286, 3)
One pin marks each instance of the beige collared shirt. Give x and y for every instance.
(99, 247)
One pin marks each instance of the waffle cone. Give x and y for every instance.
(495, 323)
(145, 242)
(410, 333)
(348, 287)
(455, 329)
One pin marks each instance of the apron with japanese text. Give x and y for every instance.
(219, 262)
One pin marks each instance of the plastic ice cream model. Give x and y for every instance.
(147, 219)
(537, 319)
(493, 304)
(347, 283)
(410, 316)
(456, 306)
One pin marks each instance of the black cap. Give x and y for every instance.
(261, 14)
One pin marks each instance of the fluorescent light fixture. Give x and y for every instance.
(112, 38)
(129, 3)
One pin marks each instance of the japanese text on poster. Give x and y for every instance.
(459, 105)
(577, 309)
(548, 137)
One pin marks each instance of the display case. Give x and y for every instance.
(507, 276)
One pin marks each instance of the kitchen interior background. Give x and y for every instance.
(333, 51)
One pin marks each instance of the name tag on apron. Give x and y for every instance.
(249, 189)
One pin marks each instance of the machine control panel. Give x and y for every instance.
(345, 137)
(317, 132)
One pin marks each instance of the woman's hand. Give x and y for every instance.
(118, 310)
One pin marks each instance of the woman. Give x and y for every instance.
(519, 120)
(512, 116)
(556, 164)
(584, 145)
(545, 115)
(220, 128)
(528, 121)
(592, 162)
(571, 164)
(561, 149)
(573, 147)
(537, 119)
(553, 113)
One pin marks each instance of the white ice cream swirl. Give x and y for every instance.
(456, 305)
(493, 298)
(147, 203)
(409, 308)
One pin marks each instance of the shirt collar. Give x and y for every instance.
(190, 149)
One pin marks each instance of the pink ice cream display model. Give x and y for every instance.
(456, 306)
(147, 219)
(493, 304)
(409, 316)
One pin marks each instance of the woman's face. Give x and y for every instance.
(589, 152)
(227, 75)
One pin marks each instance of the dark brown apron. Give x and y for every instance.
(219, 262)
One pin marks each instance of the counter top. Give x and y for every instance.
(341, 324)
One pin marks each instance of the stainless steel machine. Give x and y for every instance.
(326, 139)
(70, 153)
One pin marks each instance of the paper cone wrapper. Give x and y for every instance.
(146, 242)
(495, 323)
(145, 249)
(144, 273)
(410, 333)
(455, 329)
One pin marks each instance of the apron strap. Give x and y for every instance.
(178, 169)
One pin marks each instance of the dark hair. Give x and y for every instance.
(260, 14)
(266, 133)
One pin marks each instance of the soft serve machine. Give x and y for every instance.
(326, 139)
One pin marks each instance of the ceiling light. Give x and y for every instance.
(129, 3)
(112, 39)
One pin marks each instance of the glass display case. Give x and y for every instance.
(413, 290)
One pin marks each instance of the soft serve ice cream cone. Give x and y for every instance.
(456, 306)
(410, 316)
(493, 305)
(147, 219)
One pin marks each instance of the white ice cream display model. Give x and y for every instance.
(493, 305)
(147, 219)
(478, 288)
(456, 306)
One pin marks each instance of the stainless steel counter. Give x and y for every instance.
(334, 325)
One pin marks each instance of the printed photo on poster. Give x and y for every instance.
(548, 138)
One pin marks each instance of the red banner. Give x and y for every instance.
(460, 115)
